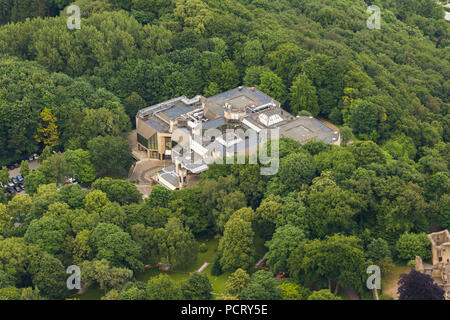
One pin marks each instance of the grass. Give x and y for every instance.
(178, 275)
(93, 293)
(389, 282)
(259, 247)
(217, 282)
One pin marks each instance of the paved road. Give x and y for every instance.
(143, 171)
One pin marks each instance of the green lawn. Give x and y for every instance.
(389, 283)
(218, 283)
(259, 247)
(93, 293)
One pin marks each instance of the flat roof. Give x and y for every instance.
(250, 94)
(299, 131)
(214, 124)
(170, 179)
(304, 129)
(175, 112)
(156, 125)
(239, 98)
(195, 168)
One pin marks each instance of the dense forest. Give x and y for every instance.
(330, 212)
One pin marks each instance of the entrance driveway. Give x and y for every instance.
(145, 172)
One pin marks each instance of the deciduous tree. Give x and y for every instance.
(237, 282)
(197, 287)
(418, 286)
(47, 132)
(163, 288)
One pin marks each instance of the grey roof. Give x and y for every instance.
(214, 124)
(304, 129)
(156, 125)
(170, 178)
(239, 98)
(299, 131)
(257, 95)
(159, 107)
(252, 121)
(195, 167)
(216, 108)
(174, 113)
(185, 130)
(321, 126)
(168, 169)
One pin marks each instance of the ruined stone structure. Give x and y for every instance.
(440, 270)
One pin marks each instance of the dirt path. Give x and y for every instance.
(389, 284)
(351, 294)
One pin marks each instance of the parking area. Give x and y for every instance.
(16, 171)
(15, 186)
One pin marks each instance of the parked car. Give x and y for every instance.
(10, 191)
(10, 167)
(35, 156)
(15, 181)
(16, 165)
(20, 178)
(10, 184)
(71, 181)
(30, 158)
(17, 188)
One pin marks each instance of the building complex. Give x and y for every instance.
(165, 129)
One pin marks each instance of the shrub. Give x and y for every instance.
(305, 113)
(412, 264)
(216, 269)
(410, 245)
(386, 265)
(378, 249)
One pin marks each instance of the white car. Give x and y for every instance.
(71, 181)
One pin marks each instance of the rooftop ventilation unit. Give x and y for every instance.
(192, 101)
(264, 107)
